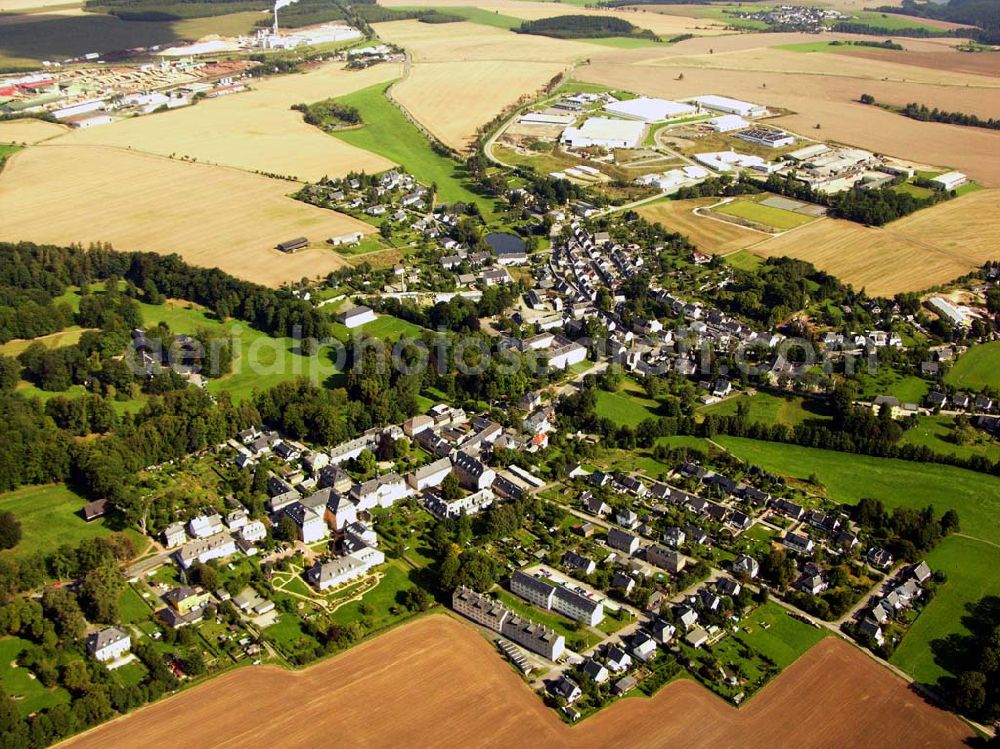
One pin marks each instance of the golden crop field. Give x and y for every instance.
(464, 74)
(932, 246)
(710, 235)
(437, 682)
(464, 41)
(664, 25)
(433, 88)
(211, 216)
(29, 131)
(255, 130)
(824, 98)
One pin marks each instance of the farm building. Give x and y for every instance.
(766, 137)
(730, 106)
(352, 238)
(546, 118)
(292, 245)
(83, 121)
(950, 180)
(727, 161)
(605, 133)
(649, 110)
(727, 123)
(808, 152)
(356, 316)
(949, 312)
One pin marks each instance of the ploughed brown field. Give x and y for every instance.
(436, 682)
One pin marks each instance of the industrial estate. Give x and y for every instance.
(535, 372)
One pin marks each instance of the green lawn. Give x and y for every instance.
(744, 260)
(785, 638)
(566, 627)
(381, 599)
(623, 42)
(388, 133)
(628, 406)
(887, 381)
(132, 607)
(20, 684)
(893, 21)
(260, 361)
(937, 432)
(921, 193)
(386, 327)
(771, 409)
(50, 516)
(898, 483)
(971, 568)
(977, 368)
(751, 210)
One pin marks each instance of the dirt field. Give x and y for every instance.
(710, 235)
(212, 216)
(930, 247)
(938, 59)
(29, 131)
(255, 130)
(436, 682)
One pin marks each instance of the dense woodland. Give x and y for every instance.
(583, 27)
(984, 14)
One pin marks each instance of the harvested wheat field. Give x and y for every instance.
(29, 131)
(929, 247)
(431, 91)
(831, 102)
(464, 41)
(437, 683)
(764, 60)
(256, 130)
(464, 74)
(211, 216)
(711, 235)
(664, 25)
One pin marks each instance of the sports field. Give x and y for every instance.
(977, 368)
(255, 130)
(436, 681)
(65, 194)
(768, 217)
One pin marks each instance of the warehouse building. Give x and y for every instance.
(645, 109)
(604, 132)
(730, 106)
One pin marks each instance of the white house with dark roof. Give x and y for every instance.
(383, 491)
(109, 644)
(309, 521)
(472, 472)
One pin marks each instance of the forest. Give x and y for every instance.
(583, 27)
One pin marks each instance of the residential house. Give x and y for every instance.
(109, 644)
